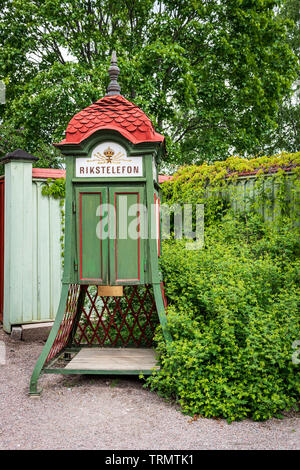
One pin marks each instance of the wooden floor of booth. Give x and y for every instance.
(114, 359)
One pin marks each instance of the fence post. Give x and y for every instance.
(17, 236)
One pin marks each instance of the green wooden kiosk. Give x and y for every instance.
(112, 294)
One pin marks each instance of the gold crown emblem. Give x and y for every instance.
(109, 152)
(109, 156)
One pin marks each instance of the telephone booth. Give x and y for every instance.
(112, 294)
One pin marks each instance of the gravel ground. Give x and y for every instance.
(97, 412)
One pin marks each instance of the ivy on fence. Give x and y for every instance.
(269, 185)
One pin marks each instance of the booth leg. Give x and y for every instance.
(162, 312)
(33, 389)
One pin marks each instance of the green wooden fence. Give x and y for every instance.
(270, 196)
(32, 251)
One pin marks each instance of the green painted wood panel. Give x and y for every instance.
(32, 249)
(92, 240)
(46, 255)
(126, 251)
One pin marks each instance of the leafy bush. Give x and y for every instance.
(234, 315)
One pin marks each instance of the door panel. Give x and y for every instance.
(126, 251)
(110, 246)
(92, 244)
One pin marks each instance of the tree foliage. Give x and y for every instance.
(209, 74)
(286, 135)
(12, 138)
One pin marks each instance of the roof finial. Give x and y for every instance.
(113, 88)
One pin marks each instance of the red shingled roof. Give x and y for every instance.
(112, 112)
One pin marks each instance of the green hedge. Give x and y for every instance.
(233, 313)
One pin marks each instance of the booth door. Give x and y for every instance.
(92, 242)
(126, 251)
(110, 225)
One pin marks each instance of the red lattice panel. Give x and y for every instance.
(65, 328)
(118, 321)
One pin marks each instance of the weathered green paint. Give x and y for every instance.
(46, 256)
(113, 259)
(126, 255)
(32, 261)
(92, 246)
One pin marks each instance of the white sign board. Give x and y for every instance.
(109, 160)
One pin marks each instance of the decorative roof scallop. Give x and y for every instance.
(113, 112)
